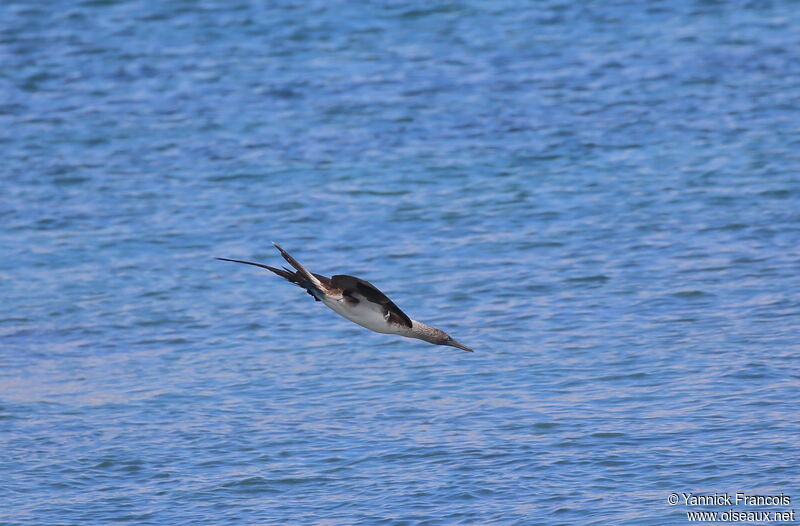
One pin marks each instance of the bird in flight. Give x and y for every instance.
(359, 301)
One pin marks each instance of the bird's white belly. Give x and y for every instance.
(363, 313)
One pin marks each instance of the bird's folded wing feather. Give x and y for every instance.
(350, 284)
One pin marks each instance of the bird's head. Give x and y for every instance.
(452, 343)
(439, 337)
(434, 336)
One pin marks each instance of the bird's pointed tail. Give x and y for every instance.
(300, 268)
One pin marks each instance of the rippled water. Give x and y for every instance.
(603, 199)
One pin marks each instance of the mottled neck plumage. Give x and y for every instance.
(425, 332)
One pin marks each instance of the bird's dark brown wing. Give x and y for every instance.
(289, 275)
(350, 284)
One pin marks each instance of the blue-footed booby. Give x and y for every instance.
(359, 301)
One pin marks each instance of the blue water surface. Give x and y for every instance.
(602, 198)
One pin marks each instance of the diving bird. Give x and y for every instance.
(359, 301)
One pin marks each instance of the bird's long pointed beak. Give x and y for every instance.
(453, 343)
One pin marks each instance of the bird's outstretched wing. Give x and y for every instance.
(351, 284)
(293, 276)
